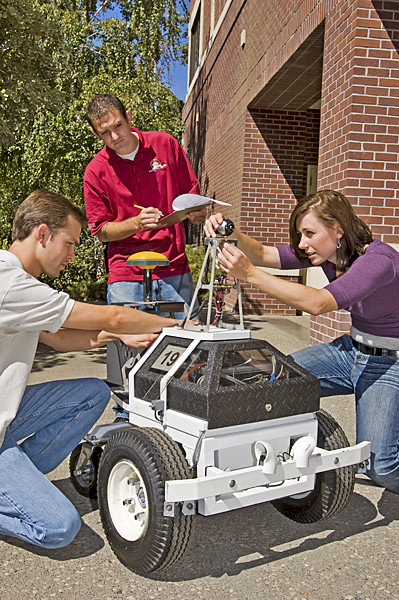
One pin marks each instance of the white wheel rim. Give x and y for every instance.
(127, 500)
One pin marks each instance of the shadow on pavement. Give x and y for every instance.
(259, 535)
(47, 358)
(233, 542)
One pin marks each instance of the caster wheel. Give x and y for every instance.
(131, 493)
(333, 489)
(84, 476)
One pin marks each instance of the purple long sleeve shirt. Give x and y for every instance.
(369, 290)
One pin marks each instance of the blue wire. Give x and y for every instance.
(240, 365)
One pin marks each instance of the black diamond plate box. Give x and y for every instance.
(229, 382)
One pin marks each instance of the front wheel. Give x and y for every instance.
(131, 493)
(332, 490)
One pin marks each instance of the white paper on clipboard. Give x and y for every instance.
(183, 205)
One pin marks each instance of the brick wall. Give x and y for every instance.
(329, 326)
(233, 75)
(279, 144)
(228, 145)
(244, 157)
(256, 302)
(359, 130)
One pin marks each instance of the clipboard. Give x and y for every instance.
(185, 204)
(179, 215)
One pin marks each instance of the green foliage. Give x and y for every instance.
(55, 56)
(27, 70)
(157, 29)
(196, 255)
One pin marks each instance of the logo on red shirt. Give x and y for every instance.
(156, 164)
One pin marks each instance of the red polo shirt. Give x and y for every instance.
(112, 186)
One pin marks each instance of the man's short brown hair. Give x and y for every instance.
(42, 206)
(101, 105)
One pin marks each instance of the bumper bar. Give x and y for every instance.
(217, 482)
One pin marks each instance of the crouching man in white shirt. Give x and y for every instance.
(51, 417)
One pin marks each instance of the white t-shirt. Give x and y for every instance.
(27, 307)
(132, 155)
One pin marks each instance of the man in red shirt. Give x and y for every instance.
(128, 186)
(134, 170)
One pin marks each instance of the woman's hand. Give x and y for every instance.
(212, 224)
(197, 216)
(235, 263)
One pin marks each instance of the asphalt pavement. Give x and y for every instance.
(248, 554)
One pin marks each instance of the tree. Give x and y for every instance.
(126, 56)
(27, 71)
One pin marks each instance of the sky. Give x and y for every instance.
(178, 81)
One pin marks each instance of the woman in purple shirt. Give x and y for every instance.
(363, 279)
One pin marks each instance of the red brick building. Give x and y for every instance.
(282, 93)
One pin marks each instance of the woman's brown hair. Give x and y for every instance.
(333, 208)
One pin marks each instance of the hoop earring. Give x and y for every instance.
(338, 243)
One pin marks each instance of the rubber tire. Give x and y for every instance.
(90, 490)
(158, 458)
(333, 489)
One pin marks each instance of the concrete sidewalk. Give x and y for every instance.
(249, 554)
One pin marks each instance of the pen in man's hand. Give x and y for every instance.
(142, 208)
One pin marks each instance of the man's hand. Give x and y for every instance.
(120, 230)
(197, 216)
(138, 341)
(148, 218)
(212, 224)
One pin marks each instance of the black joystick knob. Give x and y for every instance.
(226, 228)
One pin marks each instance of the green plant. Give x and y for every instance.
(196, 255)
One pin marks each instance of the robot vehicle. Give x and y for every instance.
(218, 420)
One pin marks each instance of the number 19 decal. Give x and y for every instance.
(168, 357)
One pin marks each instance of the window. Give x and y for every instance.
(195, 44)
(251, 366)
(194, 368)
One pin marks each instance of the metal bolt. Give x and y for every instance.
(128, 501)
(268, 407)
(133, 480)
(169, 507)
(189, 505)
(336, 460)
(232, 483)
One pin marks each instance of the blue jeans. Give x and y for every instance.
(54, 417)
(179, 288)
(342, 369)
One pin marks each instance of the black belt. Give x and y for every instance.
(375, 351)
